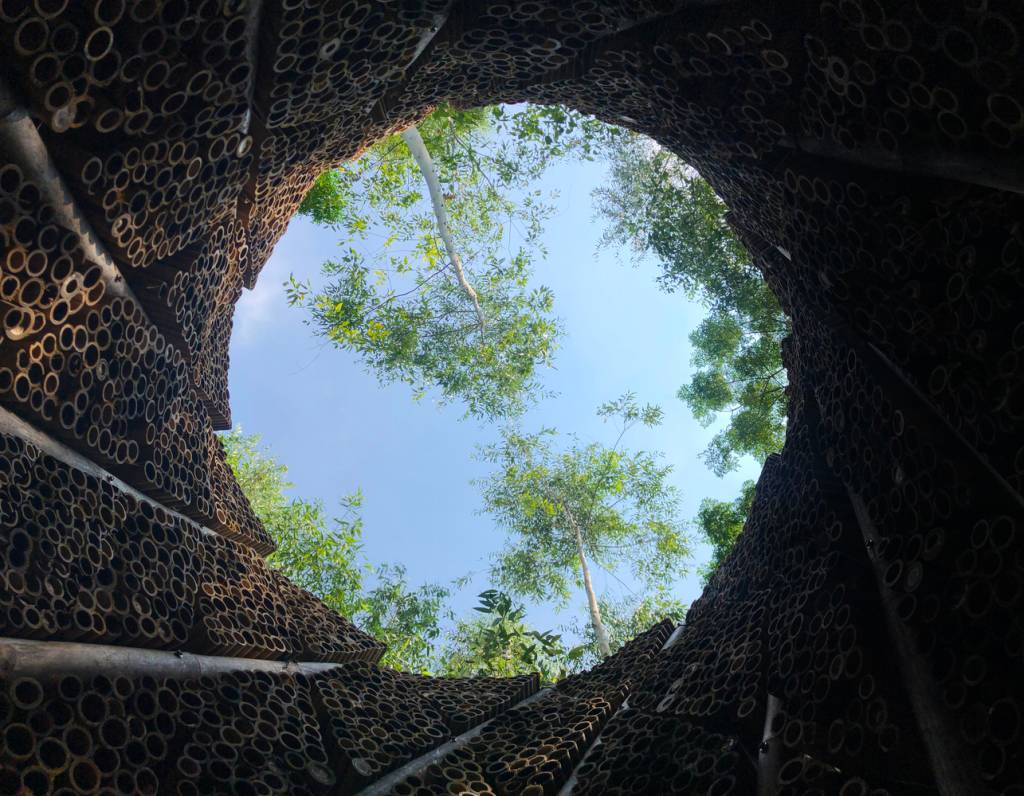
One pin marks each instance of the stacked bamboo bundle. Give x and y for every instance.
(865, 634)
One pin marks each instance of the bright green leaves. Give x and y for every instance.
(655, 203)
(622, 501)
(742, 374)
(401, 309)
(629, 412)
(717, 339)
(707, 394)
(501, 644)
(319, 553)
(720, 523)
(407, 620)
(535, 135)
(395, 297)
(324, 556)
(329, 200)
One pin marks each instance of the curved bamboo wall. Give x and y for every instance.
(866, 634)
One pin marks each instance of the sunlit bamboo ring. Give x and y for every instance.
(17, 323)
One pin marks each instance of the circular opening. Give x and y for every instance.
(19, 741)
(53, 755)
(31, 36)
(98, 43)
(84, 776)
(114, 733)
(904, 573)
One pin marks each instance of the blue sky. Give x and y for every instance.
(338, 430)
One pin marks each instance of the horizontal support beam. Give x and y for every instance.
(1003, 174)
(24, 658)
(12, 424)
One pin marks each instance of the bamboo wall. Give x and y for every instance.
(864, 637)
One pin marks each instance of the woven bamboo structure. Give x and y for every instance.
(866, 635)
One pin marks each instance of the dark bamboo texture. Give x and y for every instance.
(865, 636)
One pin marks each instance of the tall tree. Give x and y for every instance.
(656, 204)
(447, 301)
(324, 556)
(580, 506)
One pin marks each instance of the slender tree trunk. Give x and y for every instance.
(603, 641)
(421, 155)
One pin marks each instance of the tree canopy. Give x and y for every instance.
(325, 557)
(441, 230)
(445, 301)
(568, 507)
(739, 371)
(408, 620)
(655, 203)
(720, 523)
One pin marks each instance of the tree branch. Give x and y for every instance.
(620, 580)
(413, 289)
(418, 150)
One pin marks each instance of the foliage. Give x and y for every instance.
(262, 478)
(655, 203)
(431, 337)
(720, 522)
(740, 371)
(401, 309)
(407, 620)
(625, 618)
(523, 142)
(316, 553)
(537, 135)
(621, 501)
(501, 644)
(327, 203)
(325, 557)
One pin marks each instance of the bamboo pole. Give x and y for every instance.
(21, 657)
